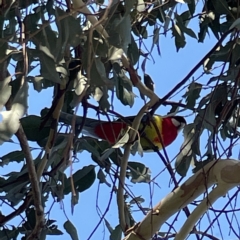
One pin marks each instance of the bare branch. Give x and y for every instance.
(135, 125)
(225, 173)
(199, 64)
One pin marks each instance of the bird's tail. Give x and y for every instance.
(89, 124)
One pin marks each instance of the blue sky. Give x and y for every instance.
(168, 70)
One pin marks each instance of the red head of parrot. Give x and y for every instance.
(171, 126)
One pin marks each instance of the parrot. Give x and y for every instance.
(110, 131)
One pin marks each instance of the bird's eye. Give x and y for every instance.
(176, 123)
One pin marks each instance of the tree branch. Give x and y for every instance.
(181, 83)
(36, 193)
(142, 88)
(135, 125)
(225, 173)
(5, 219)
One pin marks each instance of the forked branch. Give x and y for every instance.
(224, 173)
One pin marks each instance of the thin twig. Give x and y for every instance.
(5, 219)
(199, 64)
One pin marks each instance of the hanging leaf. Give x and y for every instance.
(192, 94)
(102, 178)
(179, 37)
(123, 86)
(137, 148)
(185, 157)
(136, 200)
(123, 140)
(48, 66)
(123, 27)
(221, 7)
(31, 126)
(156, 39)
(200, 164)
(139, 172)
(15, 156)
(108, 225)
(82, 179)
(182, 25)
(116, 233)
(133, 51)
(71, 230)
(148, 82)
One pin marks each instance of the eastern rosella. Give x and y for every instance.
(169, 127)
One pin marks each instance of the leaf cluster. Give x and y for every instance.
(61, 52)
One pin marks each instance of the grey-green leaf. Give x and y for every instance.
(185, 156)
(48, 66)
(139, 172)
(71, 230)
(83, 179)
(15, 156)
(116, 233)
(192, 94)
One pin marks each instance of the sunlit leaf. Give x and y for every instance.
(123, 140)
(10, 122)
(5, 91)
(140, 5)
(137, 148)
(139, 172)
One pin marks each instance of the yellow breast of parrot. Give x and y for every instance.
(151, 134)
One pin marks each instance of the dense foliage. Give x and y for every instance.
(51, 45)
